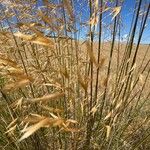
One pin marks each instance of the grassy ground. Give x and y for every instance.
(61, 93)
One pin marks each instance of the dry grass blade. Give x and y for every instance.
(93, 110)
(57, 122)
(41, 40)
(118, 104)
(64, 72)
(44, 18)
(82, 82)
(19, 75)
(54, 116)
(30, 130)
(91, 54)
(12, 123)
(115, 119)
(11, 130)
(26, 37)
(30, 25)
(57, 86)
(52, 6)
(108, 115)
(116, 11)
(108, 130)
(17, 104)
(93, 20)
(7, 61)
(42, 122)
(106, 9)
(67, 123)
(68, 6)
(96, 5)
(34, 119)
(71, 121)
(15, 71)
(49, 21)
(141, 78)
(48, 97)
(18, 84)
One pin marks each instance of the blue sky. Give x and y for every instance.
(127, 14)
(127, 11)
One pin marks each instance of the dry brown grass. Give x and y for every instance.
(63, 93)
